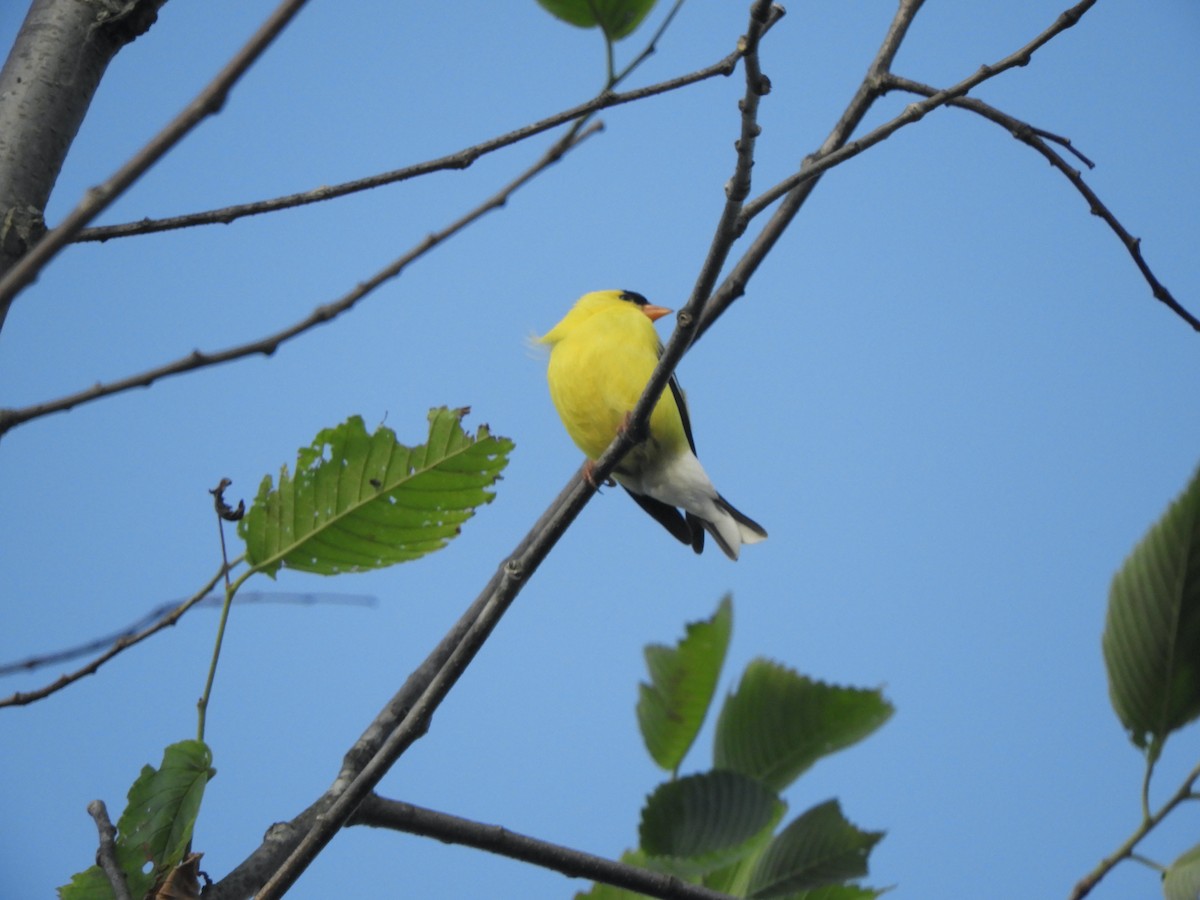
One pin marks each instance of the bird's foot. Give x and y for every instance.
(589, 475)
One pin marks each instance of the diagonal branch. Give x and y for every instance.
(379, 812)
(10, 418)
(1037, 139)
(462, 159)
(122, 643)
(208, 102)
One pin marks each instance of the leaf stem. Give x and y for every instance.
(230, 590)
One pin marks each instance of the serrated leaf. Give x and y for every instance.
(705, 822)
(1152, 630)
(156, 825)
(1182, 878)
(683, 678)
(616, 18)
(819, 848)
(360, 501)
(779, 723)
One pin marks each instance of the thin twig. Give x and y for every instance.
(310, 598)
(379, 812)
(824, 159)
(1037, 138)
(208, 102)
(106, 856)
(123, 642)
(458, 160)
(1089, 881)
(197, 359)
(734, 283)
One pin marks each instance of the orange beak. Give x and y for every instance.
(654, 313)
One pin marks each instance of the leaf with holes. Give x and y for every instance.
(1152, 630)
(683, 678)
(360, 501)
(156, 826)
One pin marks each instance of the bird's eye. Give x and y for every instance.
(634, 297)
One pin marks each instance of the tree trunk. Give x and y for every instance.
(46, 86)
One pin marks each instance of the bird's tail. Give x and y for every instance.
(733, 529)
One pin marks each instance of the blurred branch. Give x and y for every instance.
(243, 598)
(1125, 851)
(378, 812)
(10, 418)
(106, 855)
(122, 642)
(208, 102)
(462, 159)
(1037, 139)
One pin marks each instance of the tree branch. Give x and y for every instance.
(462, 159)
(1089, 881)
(1037, 139)
(121, 643)
(106, 855)
(47, 83)
(378, 812)
(10, 418)
(208, 102)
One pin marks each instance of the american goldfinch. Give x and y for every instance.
(601, 355)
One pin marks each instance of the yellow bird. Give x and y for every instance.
(601, 355)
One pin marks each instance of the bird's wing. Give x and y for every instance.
(681, 404)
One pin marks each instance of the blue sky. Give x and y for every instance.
(948, 394)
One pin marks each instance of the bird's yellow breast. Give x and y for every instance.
(599, 366)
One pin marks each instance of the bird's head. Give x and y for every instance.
(602, 302)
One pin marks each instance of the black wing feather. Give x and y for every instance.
(686, 530)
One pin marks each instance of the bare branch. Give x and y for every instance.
(208, 102)
(10, 418)
(122, 643)
(459, 160)
(1037, 138)
(106, 856)
(378, 812)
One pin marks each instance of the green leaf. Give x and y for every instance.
(361, 501)
(705, 822)
(672, 707)
(819, 848)
(616, 18)
(1152, 631)
(779, 723)
(1182, 879)
(157, 824)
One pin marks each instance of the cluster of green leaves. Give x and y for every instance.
(154, 832)
(717, 828)
(1152, 648)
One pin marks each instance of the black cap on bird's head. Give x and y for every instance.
(652, 312)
